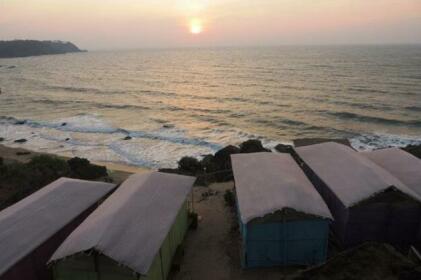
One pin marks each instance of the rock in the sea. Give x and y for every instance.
(20, 122)
(168, 126)
(127, 138)
(282, 148)
(67, 139)
(252, 146)
(63, 124)
(1, 139)
(190, 165)
(23, 140)
(414, 150)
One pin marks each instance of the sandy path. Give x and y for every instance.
(212, 252)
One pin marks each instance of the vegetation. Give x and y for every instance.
(229, 198)
(217, 167)
(18, 180)
(194, 220)
(22, 48)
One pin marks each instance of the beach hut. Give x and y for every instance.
(405, 167)
(32, 229)
(283, 220)
(401, 164)
(134, 234)
(367, 202)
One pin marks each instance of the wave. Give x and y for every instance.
(413, 108)
(90, 104)
(87, 123)
(374, 141)
(371, 119)
(367, 90)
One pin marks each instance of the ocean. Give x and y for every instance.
(178, 102)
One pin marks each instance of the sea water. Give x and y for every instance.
(177, 102)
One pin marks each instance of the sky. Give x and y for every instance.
(132, 24)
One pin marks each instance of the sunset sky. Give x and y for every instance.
(128, 24)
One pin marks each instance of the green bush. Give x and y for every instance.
(194, 220)
(190, 165)
(81, 168)
(26, 178)
(229, 198)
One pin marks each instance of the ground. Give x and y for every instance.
(212, 252)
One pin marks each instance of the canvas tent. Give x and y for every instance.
(367, 202)
(402, 165)
(32, 229)
(134, 234)
(283, 220)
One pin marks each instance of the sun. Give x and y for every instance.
(196, 26)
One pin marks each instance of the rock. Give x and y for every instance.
(64, 124)
(1, 139)
(252, 146)
(23, 153)
(190, 165)
(20, 122)
(11, 67)
(168, 126)
(282, 148)
(414, 150)
(313, 141)
(20, 140)
(81, 168)
(67, 139)
(127, 138)
(225, 153)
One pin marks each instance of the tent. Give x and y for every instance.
(402, 165)
(134, 234)
(283, 220)
(367, 202)
(32, 229)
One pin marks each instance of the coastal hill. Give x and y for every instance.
(23, 48)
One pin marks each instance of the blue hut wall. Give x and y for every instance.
(300, 242)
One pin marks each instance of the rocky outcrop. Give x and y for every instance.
(23, 48)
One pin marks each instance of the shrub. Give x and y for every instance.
(81, 168)
(229, 198)
(190, 165)
(194, 220)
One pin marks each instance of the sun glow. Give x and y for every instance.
(196, 26)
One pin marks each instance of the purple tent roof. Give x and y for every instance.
(27, 224)
(268, 182)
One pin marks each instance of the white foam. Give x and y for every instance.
(367, 142)
(85, 123)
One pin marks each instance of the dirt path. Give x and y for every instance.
(212, 252)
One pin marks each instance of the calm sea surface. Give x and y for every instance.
(194, 101)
